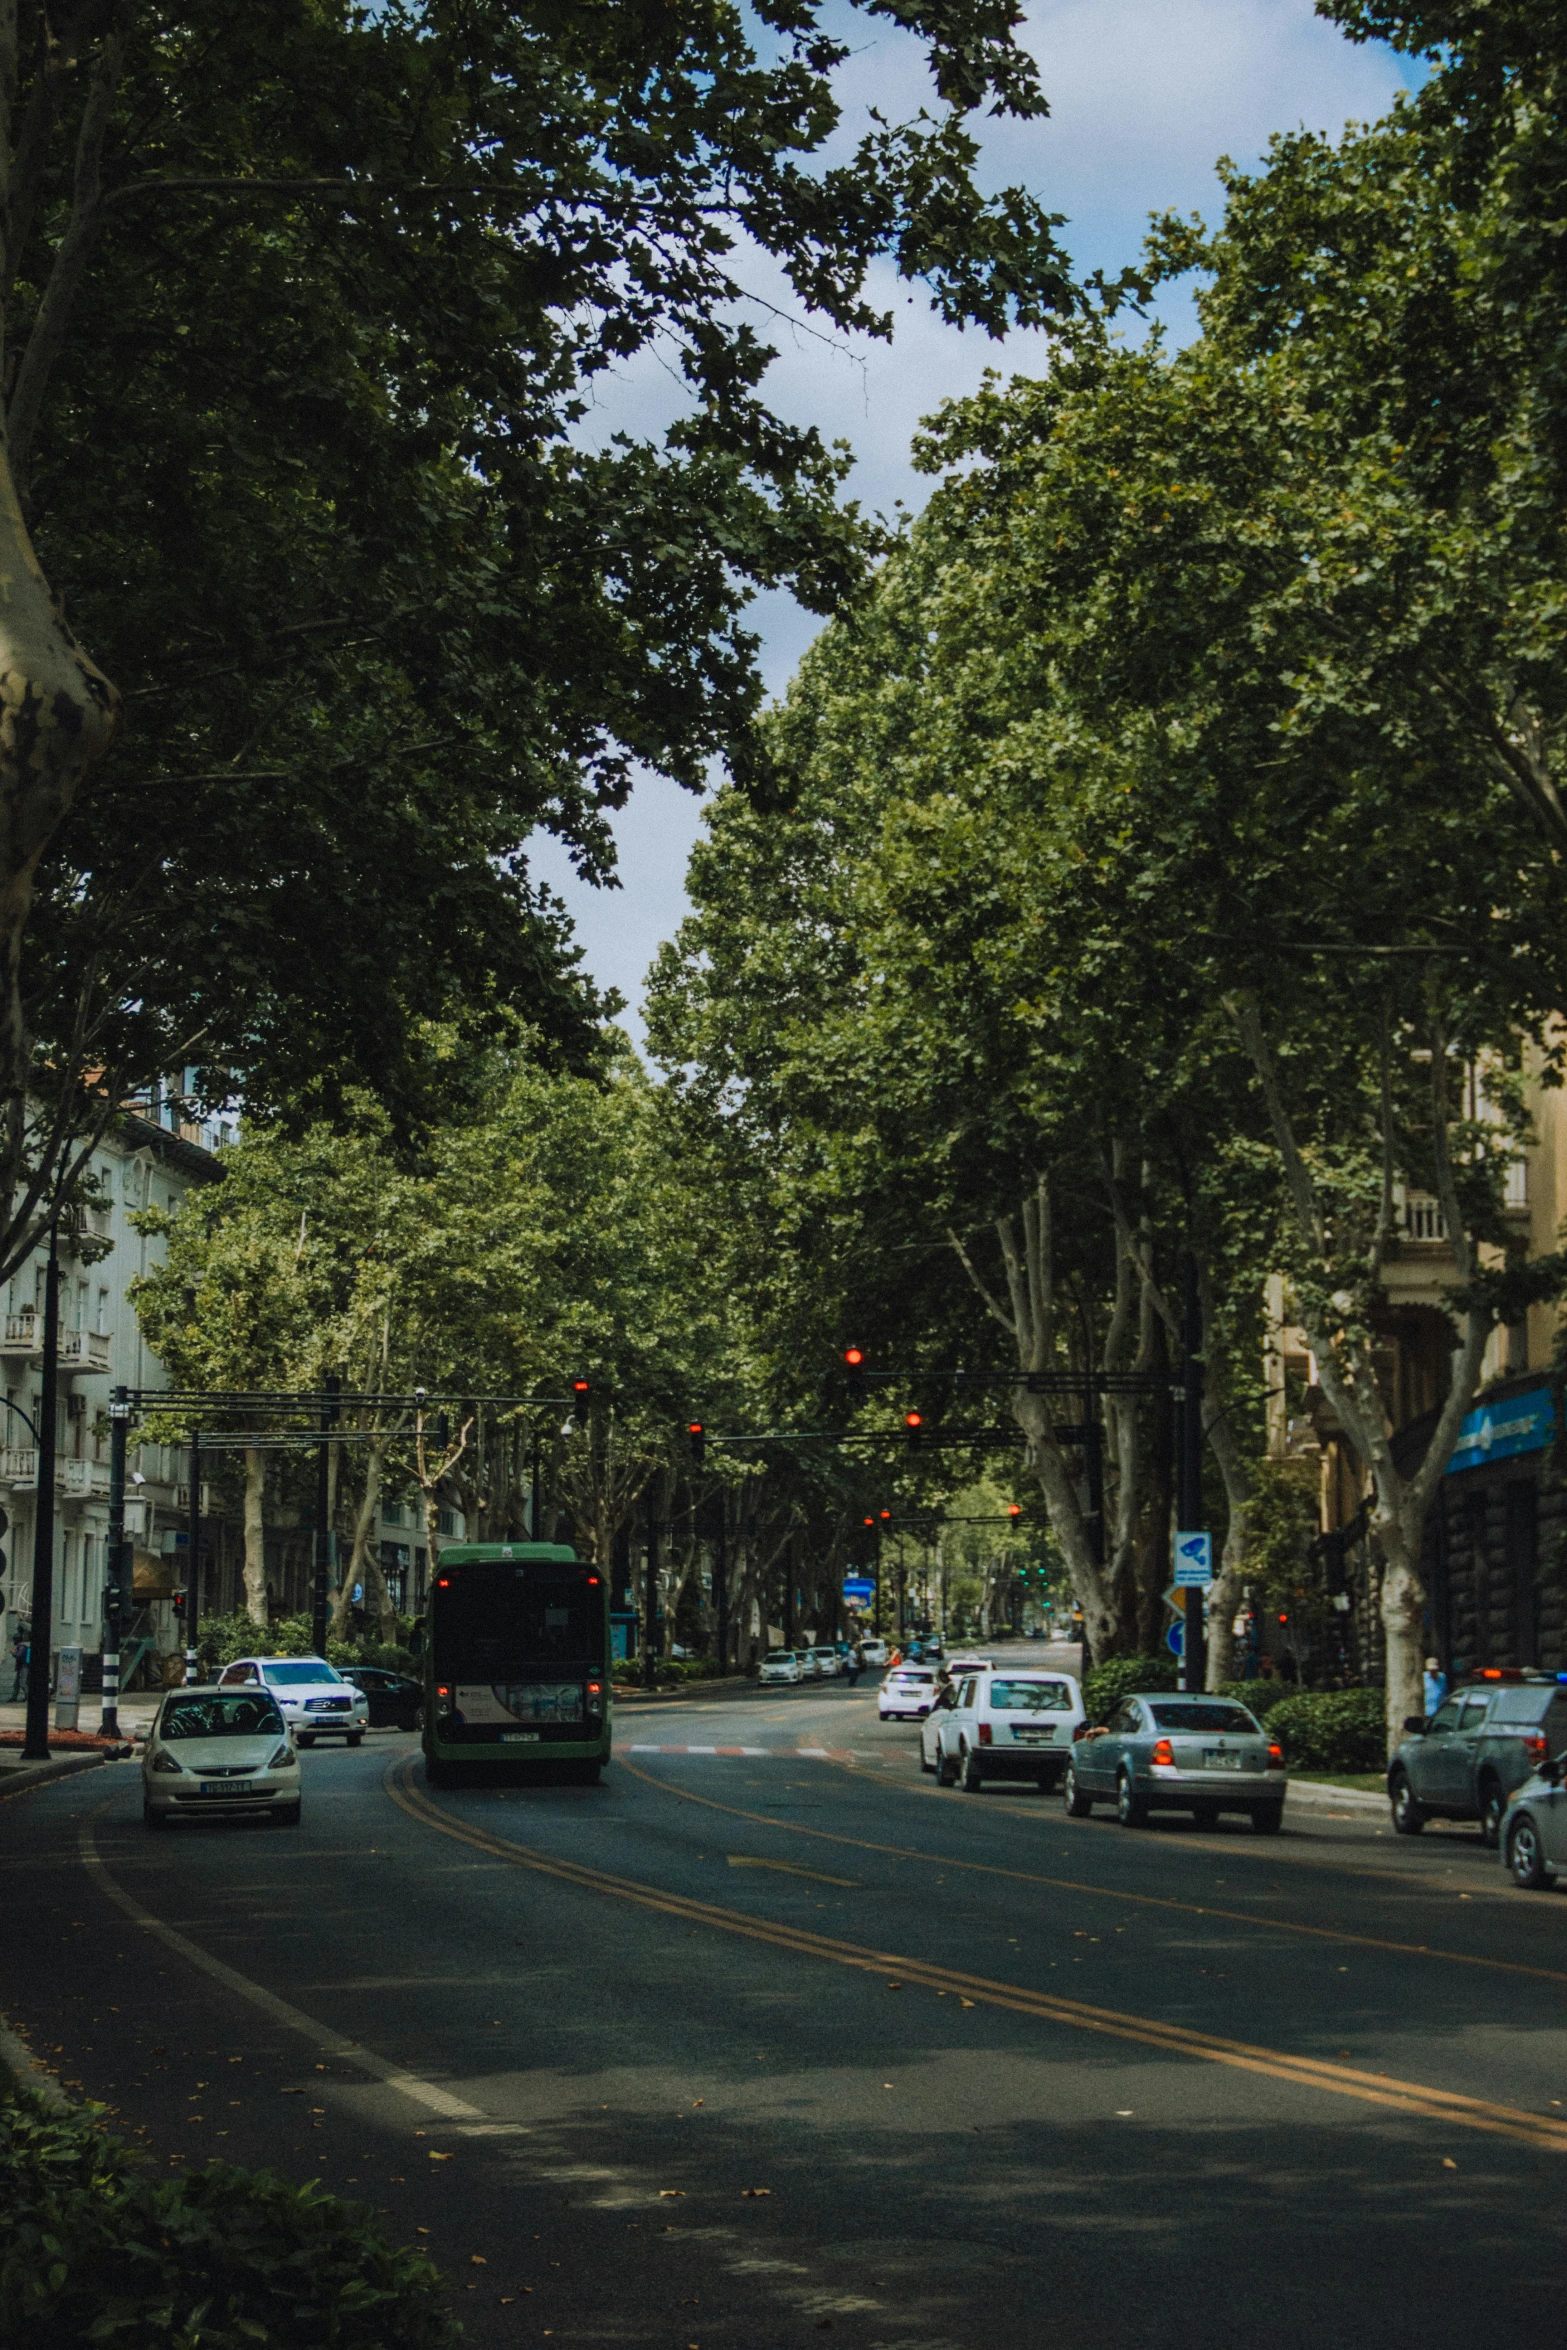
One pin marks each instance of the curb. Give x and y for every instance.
(17, 1779)
(1313, 1792)
(27, 2073)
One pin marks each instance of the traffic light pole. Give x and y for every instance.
(117, 1589)
(721, 1584)
(1194, 1637)
(193, 1563)
(36, 1746)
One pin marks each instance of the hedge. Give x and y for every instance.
(94, 2251)
(1105, 1685)
(1259, 1696)
(1332, 1729)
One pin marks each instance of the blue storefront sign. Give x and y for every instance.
(858, 1587)
(1494, 1431)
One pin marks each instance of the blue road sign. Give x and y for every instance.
(1193, 1560)
(1175, 1640)
(858, 1587)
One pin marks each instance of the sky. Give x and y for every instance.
(1144, 96)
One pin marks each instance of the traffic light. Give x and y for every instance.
(1014, 1509)
(854, 1369)
(886, 1517)
(698, 1436)
(914, 1424)
(579, 1401)
(1284, 1615)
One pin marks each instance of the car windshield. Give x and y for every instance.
(291, 1676)
(1030, 1697)
(1203, 1717)
(782, 1656)
(246, 1714)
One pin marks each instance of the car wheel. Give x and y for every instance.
(1078, 1804)
(1267, 1818)
(972, 1778)
(416, 1721)
(305, 1738)
(1492, 1805)
(946, 1769)
(1525, 1857)
(355, 1737)
(1408, 1813)
(287, 1815)
(152, 1817)
(1131, 1809)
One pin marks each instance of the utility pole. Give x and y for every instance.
(118, 1593)
(1194, 1638)
(650, 1616)
(533, 1506)
(193, 1563)
(36, 1746)
(326, 1538)
(721, 1585)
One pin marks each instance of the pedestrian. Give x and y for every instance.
(21, 1657)
(856, 1662)
(1436, 1685)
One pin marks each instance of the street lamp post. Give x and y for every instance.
(36, 1745)
(118, 1596)
(193, 1563)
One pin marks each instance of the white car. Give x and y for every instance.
(875, 1649)
(781, 1664)
(219, 1753)
(312, 1696)
(825, 1661)
(907, 1694)
(1012, 1722)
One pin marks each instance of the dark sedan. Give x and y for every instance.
(395, 1702)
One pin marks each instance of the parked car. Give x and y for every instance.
(825, 1661)
(1534, 1829)
(1464, 1761)
(215, 1753)
(875, 1649)
(394, 1700)
(312, 1696)
(1160, 1752)
(1003, 1724)
(907, 1694)
(781, 1664)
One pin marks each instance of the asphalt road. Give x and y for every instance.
(744, 2048)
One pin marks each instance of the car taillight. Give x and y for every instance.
(1163, 1756)
(1537, 1747)
(1275, 1758)
(984, 1734)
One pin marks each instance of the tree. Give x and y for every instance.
(303, 316)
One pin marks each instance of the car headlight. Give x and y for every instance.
(283, 1760)
(165, 1762)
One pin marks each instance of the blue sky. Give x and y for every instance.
(1144, 96)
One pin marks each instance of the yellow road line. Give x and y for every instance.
(1409, 2097)
(786, 1868)
(1195, 1909)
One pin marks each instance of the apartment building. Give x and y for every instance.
(1495, 1557)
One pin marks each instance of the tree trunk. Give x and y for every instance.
(255, 1535)
(358, 1568)
(1403, 1619)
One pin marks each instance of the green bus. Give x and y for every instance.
(516, 1663)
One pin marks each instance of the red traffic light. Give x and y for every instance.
(1014, 1509)
(870, 1521)
(887, 1516)
(1284, 1615)
(854, 1357)
(695, 1428)
(913, 1420)
(698, 1436)
(579, 1399)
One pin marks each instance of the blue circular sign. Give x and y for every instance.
(1175, 1640)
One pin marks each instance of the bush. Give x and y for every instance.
(1259, 1696)
(1105, 1685)
(93, 2250)
(1332, 1729)
(220, 1639)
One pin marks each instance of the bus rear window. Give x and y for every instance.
(492, 1618)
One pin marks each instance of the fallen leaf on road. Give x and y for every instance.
(434, 2157)
(666, 2192)
(698, 2101)
(477, 2260)
(895, 1986)
(1448, 2163)
(421, 2231)
(756, 2190)
(962, 2002)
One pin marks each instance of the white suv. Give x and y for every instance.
(1008, 1723)
(311, 1695)
(907, 1694)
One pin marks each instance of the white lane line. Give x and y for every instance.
(293, 2019)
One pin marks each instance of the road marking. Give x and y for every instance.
(786, 1868)
(1409, 2097)
(1193, 1909)
(427, 2094)
(752, 1753)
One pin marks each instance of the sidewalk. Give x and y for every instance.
(134, 1715)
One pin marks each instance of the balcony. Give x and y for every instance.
(74, 1480)
(20, 1467)
(22, 1337)
(84, 1350)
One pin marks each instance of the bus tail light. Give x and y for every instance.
(443, 1700)
(984, 1734)
(1163, 1755)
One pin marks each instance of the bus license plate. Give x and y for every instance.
(519, 1737)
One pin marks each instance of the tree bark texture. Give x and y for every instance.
(255, 1535)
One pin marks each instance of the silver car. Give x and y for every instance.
(1534, 1829)
(218, 1753)
(1162, 1752)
